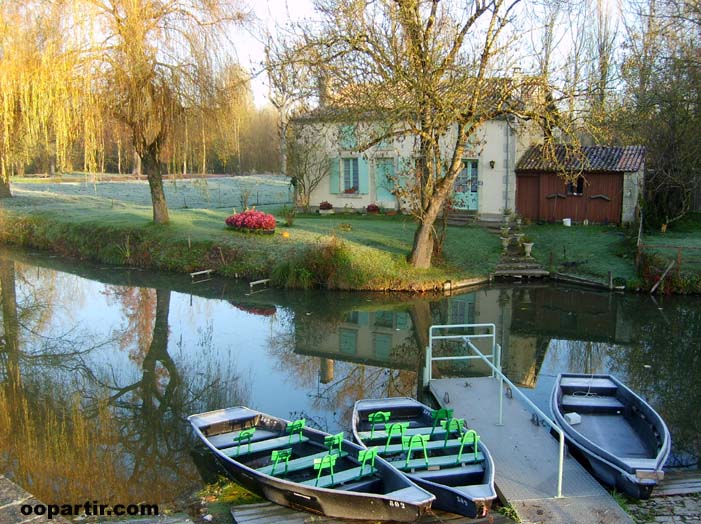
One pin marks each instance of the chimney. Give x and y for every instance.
(323, 89)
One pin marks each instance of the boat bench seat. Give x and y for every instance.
(599, 385)
(264, 445)
(435, 474)
(430, 445)
(297, 464)
(584, 403)
(382, 434)
(468, 457)
(227, 440)
(329, 481)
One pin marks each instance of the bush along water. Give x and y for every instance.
(252, 221)
(651, 269)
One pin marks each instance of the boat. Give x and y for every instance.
(623, 439)
(296, 466)
(435, 450)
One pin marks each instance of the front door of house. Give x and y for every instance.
(465, 196)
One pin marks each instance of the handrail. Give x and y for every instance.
(514, 389)
(496, 371)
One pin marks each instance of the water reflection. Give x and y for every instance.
(100, 366)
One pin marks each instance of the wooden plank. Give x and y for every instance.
(382, 435)
(448, 460)
(430, 445)
(327, 481)
(590, 401)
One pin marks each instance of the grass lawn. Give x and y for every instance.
(106, 220)
(588, 251)
(685, 234)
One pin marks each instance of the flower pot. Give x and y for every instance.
(527, 247)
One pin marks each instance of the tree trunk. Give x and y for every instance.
(422, 251)
(5, 188)
(11, 327)
(152, 167)
(137, 165)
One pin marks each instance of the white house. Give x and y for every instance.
(357, 177)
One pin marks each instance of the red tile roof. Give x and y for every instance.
(582, 159)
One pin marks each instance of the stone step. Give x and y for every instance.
(519, 266)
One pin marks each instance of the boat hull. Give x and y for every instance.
(402, 502)
(458, 490)
(625, 442)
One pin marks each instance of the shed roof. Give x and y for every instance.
(563, 157)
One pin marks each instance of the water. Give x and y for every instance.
(100, 366)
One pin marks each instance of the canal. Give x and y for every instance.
(100, 366)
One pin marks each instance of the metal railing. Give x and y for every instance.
(496, 372)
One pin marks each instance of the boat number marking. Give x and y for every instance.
(396, 504)
(463, 501)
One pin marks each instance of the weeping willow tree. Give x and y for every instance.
(42, 92)
(153, 61)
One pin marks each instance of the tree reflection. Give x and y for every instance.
(72, 424)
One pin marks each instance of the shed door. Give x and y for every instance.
(527, 192)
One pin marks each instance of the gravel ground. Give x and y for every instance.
(677, 509)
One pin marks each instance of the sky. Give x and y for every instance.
(249, 46)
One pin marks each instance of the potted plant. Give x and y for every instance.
(372, 209)
(527, 243)
(505, 240)
(325, 208)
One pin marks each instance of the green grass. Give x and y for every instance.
(587, 251)
(101, 226)
(684, 234)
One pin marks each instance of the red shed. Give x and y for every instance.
(605, 190)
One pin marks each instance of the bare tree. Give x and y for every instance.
(308, 166)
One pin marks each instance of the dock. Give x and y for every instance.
(526, 457)
(12, 498)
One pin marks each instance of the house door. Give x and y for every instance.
(465, 195)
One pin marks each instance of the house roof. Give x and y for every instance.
(563, 157)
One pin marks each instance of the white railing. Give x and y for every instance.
(495, 366)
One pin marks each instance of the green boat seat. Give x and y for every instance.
(264, 445)
(430, 445)
(378, 417)
(367, 436)
(297, 464)
(341, 477)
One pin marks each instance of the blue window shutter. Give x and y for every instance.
(334, 175)
(363, 177)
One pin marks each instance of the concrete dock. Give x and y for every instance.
(526, 457)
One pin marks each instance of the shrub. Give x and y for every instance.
(527, 239)
(373, 208)
(289, 213)
(325, 205)
(252, 220)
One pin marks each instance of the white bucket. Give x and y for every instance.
(567, 222)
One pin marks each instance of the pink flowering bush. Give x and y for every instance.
(252, 220)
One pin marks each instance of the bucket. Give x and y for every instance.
(567, 222)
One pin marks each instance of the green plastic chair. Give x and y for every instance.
(470, 437)
(364, 456)
(450, 425)
(440, 414)
(332, 441)
(411, 442)
(278, 455)
(395, 428)
(378, 417)
(296, 427)
(247, 435)
(325, 462)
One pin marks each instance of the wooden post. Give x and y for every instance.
(610, 280)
